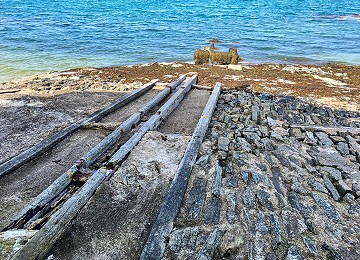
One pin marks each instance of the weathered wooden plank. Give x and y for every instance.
(49, 142)
(44, 239)
(86, 161)
(328, 128)
(156, 242)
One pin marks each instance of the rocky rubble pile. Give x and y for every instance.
(264, 187)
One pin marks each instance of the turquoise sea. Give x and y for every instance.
(43, 35)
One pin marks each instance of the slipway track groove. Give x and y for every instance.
(58, 222)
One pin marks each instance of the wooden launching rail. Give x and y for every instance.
(49, 142)
(342, 129)
(35, 209)
(44, 239)
(156, 242)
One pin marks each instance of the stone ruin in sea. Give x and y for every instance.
(210, 55)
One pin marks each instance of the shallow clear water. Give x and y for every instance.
(38, 36)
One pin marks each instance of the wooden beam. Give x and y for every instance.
(328, 128)
(86, 161)
(51, 141)
(156, 242)
(44, 239)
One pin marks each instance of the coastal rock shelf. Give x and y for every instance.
(262, 189)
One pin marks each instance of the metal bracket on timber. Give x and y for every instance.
(49, 142)
(155, 245)
(44, 239)
(50, 193)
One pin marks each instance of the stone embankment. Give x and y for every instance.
(263, 189)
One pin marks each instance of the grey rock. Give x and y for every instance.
(349, 198)
(212, 242)
(230, 213)
(222, 155)
(276, 231)
(296, 132)
(264, 131)
(354, 209)
(284, 160)
(255, 114)
(223, 143)
(309, 138)
(308, 120)
(354, 146)
(330, 157)
(329, 209)
(311, 246)
(260, 223)
(332, 173)
(232, 182)
(263, 198)
(245, 175)
(276, 136)
(203, 160)
(299, 188)
(323, 138)
(343, 188)
(336, 138)
(236, 155)
(251, 137)
(276, 179)
(248, 197)
(197, 196)
(216, 183)
(315, 185)
(244, 145)
(212, 212)
(343, 148)
(355, 187)
(281, 131)
(267, 144)
(256, 177)
(311, 226)
(293, 222)
(296, 203)
(271, 122)
(271, 256)
(293, 254)
(334, 193)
